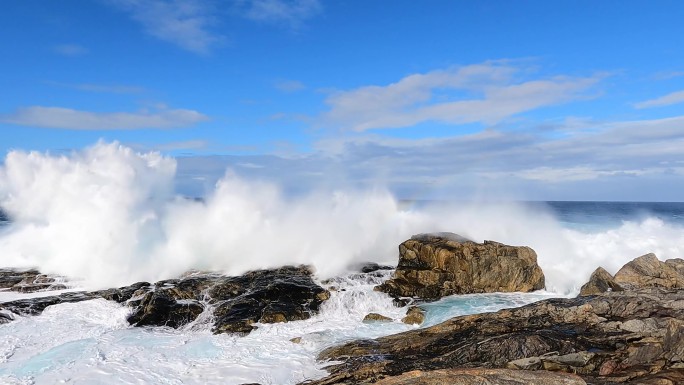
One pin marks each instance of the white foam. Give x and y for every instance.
(109, 215)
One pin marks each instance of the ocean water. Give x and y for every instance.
(107, 216)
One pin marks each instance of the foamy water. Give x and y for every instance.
(108, 216)
(91, 343)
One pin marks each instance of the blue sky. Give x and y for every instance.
(551, 100)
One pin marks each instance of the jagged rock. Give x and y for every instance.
(166, 307)
(29, 281)
(433, 266)
(600, 282)
(414, 316)
(11, 277)
(375, 317)
(613, 337)
(266, 296)
(648, 271)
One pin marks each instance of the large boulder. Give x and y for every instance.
(600, 282)
(436, 265)
(649, 271)
(632, 337)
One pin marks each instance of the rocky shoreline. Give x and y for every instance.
(627, 328)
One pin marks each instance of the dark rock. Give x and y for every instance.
(29, 281)
(123, 294)
(613, 337)
(600, 282)
(165, 307)
(35, 306)
(433, 266)
(267, 296)
(11, 277)
(372, 266)
(401, 302)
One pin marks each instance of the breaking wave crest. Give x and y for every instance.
(110, 216)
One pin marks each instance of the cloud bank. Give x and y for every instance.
(482, 93)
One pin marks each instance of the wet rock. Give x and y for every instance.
(165, 307)
(11, 277)
(401, 302)
(414, 316)
(648, 271)
(600, 282)
(372, 266)
(375, 317)
(613, 337)
(266, 296)
(433, 266)
(35, 306)
(29, 281)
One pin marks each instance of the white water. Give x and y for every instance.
(109, 216)
(91, 343)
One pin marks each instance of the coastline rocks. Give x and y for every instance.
(35, 306)
(266, 296)
(600, 282)
(29, 281)
(614, 337)
(435, 265)
(481, 377)
(649, 271)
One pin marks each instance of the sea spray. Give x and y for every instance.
(109, 216)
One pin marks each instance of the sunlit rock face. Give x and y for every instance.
(435, 265)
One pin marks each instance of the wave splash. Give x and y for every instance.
(110, 216)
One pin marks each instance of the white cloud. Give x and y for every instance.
(185, 23)
(292, 12)
(70, 49)
(486, 93)
(65, 118)
(667, 100)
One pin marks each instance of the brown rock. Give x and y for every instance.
(375, 317)
(614, 337)
(600, 282)
(414, 316)
(481, 377)
(648, 271)
(433, 266)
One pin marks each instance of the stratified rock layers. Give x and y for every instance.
(433, 266)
